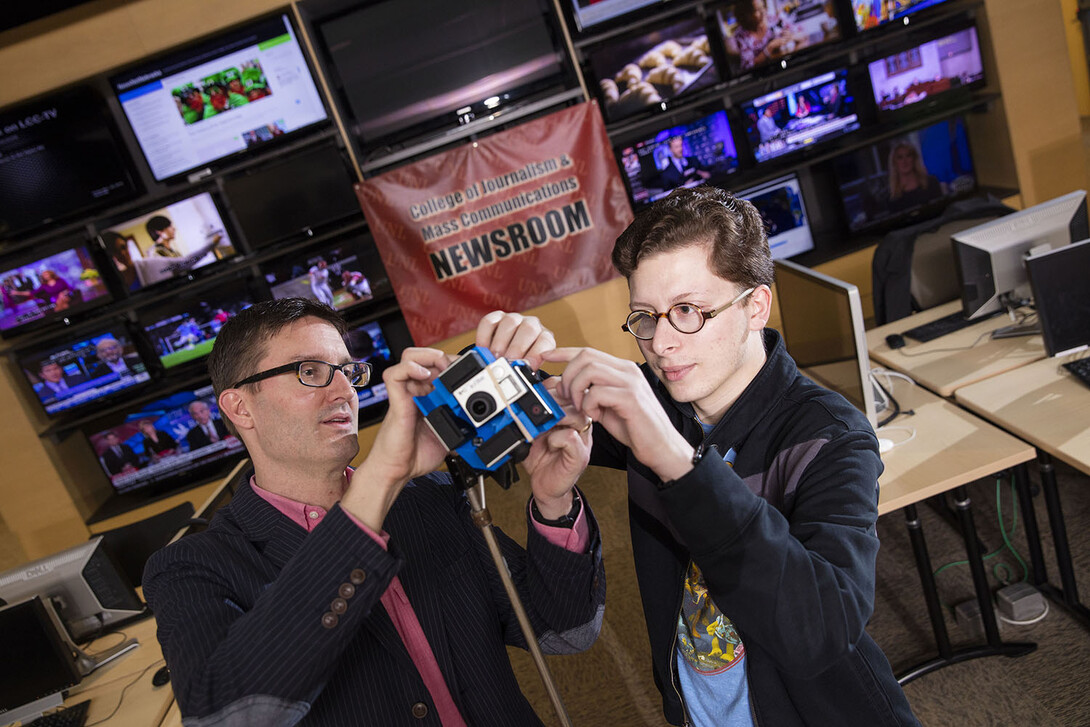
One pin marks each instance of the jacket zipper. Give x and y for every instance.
(673, 653)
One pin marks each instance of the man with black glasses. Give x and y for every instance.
(327, 596)
(753, 491)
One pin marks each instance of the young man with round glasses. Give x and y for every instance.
(322, 595)
(753, 491)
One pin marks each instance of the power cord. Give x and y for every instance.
(121, 699)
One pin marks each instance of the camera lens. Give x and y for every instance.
(480, 405)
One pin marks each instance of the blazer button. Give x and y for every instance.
(420, 710)
(338, 606)
(357, 576)
(347, 590)
(329, 619)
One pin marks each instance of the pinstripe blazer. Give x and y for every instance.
(246, 616)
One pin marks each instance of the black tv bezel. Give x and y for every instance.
(110, 125)
(630, 140)
(107, 326)
(931, 104)
(107, 224)
(919, 213)
(53, 247)
(207, 43)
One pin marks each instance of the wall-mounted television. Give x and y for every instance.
(291, 196)
(650, 70)
(873, 13)
(210, 100)
(929, 73)
(909, 176)
(799, 115)
(342, 274)
(406, 70)
(56, 281)
(380, 343)
(184, 328)
(169, 241)
(77, 373)
(757, 33)
(59, 155)
(783, 210)
(170, 442)
(698, 152)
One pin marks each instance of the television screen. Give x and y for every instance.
(906, 176)
(219, 97)
(799, 115)
(588, 13)
(340, 274)
(932, 69)
(87, 370)
(168, 242)
(636, 73)
(759, 32)
(171, 441)
(184, 329)
(784, 212)
(59, 155)
(699, 152)
(290, 196)
(44, 286)
(872, 13)
(380, 343)
(402, 79)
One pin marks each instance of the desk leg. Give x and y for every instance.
(1039, 574)
(1068, 597)
(927, 581)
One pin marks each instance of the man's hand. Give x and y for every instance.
(515, 336)
(557, 459)
(614, 393)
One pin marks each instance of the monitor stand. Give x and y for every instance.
(87, 663)
(1024, 329)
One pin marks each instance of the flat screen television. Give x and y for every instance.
(698, 152)
(410, 69)
(873, 13)
(783, 209)
(1062, 297)
(799, 115)
(925, 75)
(759, 33)
(822, 323)
(219, 97)
(341, 274)
(990, 258)
(59, 156)
(37, 667)
(168, 443)
(76, 374)
(49, 283)
(291, 196)
(905, 177)
(647, 71)
(591, 13)
(169, 241)
(184, 328)
(380, 343)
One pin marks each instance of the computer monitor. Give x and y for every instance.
(784, 212)
(36, 666)
(89, 590)
(822, 323)
(990, 258)
(1058, 279)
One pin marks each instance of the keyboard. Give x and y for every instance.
(1080, 369)
(72, 716)
(941, 326)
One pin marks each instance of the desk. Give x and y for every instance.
(947, 363)
(951, 449)
(1044, 405)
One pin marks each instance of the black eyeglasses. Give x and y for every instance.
(317, 373)
(684, 317)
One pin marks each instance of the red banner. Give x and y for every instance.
(515, 220)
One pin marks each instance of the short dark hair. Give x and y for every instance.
(701, 215)
(157, 224)
(240, 344)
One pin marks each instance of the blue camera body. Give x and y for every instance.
(488, 410)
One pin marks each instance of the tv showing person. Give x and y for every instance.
(767, 126)
(157, 443)
(112, 359)
(118, 457)
(206, 429)
(319, 282)
(680, 168)
(758, 32)
(54, 383)
(910, 184)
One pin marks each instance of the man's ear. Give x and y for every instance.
(233, 406)
(760, 307)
